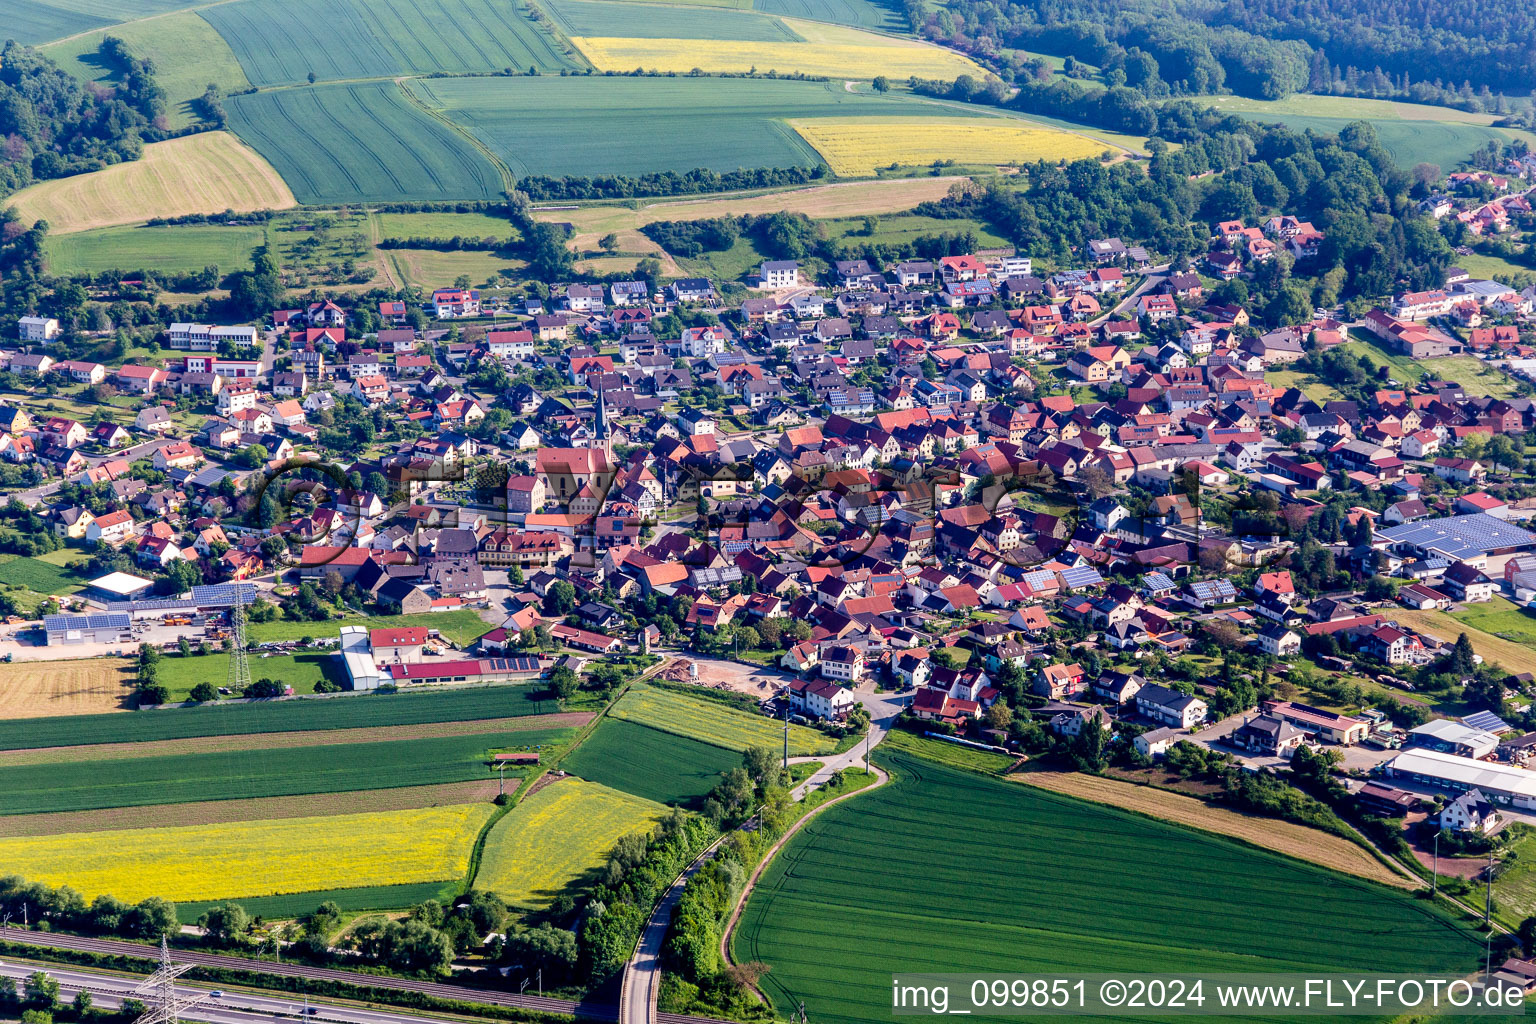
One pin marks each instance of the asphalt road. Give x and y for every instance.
(642, 975)
(108, 991)
(491, 997)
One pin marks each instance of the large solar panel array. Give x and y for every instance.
(65, 623)
(152, 604)
(1461, 536)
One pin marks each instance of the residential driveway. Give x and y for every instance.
(883, 709)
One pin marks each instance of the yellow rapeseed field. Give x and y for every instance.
(831, 50)
(557, 835)
(700, 718)
(209, 172)
(255, 858)
(858, 145)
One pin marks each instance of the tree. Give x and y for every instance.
(81, 1003)
(881, 84)
(263, 689)
(204, 692)
(1380, 588)
(560, 598)
(42, 991)
(1462, 662)
(562, 683)
(999, 715)
(547, 948)
(226, 924)
(762, 765)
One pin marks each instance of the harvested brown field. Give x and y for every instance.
(844, 199)
(214, 812)
(1280, 836)
(276, 740)
(41, 689)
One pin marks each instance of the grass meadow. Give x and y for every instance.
(180, 247)
(256, 858)
(557, 837)
(187, 51)
(301, 671)
(1051, 884)
(710, 721)
(396, 152)
(648, 763)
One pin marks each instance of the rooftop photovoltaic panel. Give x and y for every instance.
(1486, 721)
(63, 623)
(223, 594)
(1081, 576)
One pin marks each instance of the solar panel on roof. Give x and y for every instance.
(1486, 721)
(1081, 576)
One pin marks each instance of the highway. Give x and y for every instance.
(493, 997)
(107, 992)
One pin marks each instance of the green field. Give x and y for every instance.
(656, 21)
(181, 247)
(301, 671)
(650, 764)
(700, 718)
(394, 151)
(427, 268)
(38, 21)
(1492, 267)
(43, 577)
(381, 38)
(1409, 142)
(856, 13)
(952, 754)
(1051, 884)
(463, 626)
(349, 712)
(443, 225)
(235, 775)
(187, 52)
(1502, 618)
(297, 904)
(897, 229)
(546, 125)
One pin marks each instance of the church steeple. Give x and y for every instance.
(601, 427)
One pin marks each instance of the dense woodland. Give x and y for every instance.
(53, 125)
(1427, 50)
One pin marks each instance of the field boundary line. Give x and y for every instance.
(190, 9)
(1356, 839)
(881, 778)
(508, 179)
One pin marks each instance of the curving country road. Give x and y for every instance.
(642, 975)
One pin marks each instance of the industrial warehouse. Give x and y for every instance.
(1501, 783)
(406, 663)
